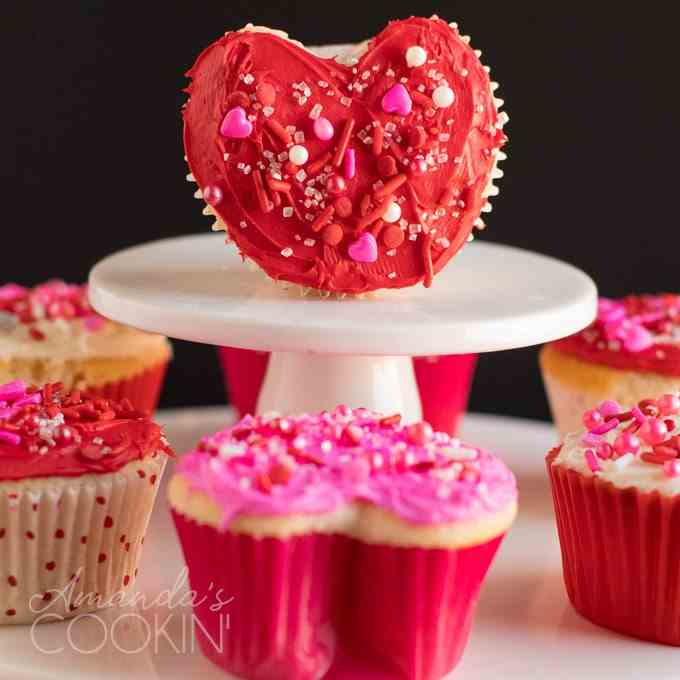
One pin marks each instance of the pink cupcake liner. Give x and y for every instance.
(620, 555)
(278, 624)
(244, 372)
(398, 613)
(411, 609)
(143, 390)
(443, 382)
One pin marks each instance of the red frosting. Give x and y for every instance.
(435, 163)
(656, 318)
(48, 432)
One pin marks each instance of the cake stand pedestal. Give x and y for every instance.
(353, 351)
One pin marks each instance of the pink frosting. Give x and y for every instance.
(312, 464)
(54, 299)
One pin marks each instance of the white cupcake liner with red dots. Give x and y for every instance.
(72, 544)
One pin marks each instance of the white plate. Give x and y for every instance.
(490, 297)
(524, 628)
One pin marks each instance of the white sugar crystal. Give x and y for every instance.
(287, 252)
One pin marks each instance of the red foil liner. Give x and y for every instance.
(244, 371)
(443, 382)
(444, 385)
(143, 390)
(278, 625)
(411, 609)
(620, 554)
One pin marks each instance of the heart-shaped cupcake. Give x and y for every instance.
(299, 156)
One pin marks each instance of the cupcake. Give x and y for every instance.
(616, 489)
(630, 351)
(443, 383)
(78, 478)
(51, 334)
(345, 175)
(370, 541)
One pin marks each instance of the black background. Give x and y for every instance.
(91, 157)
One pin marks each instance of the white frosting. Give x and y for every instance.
(66, 340)
(624, 472)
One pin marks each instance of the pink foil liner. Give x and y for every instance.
(244, 371)
(444, 385)
(143, 390)
(443, 382)
(398, 613)
(279, 622)
(620, 554)
(410, 610)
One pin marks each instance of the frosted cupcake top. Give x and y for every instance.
(48, 432)
(312, 464)
(55, 319)
(637, 447)
(640, 332)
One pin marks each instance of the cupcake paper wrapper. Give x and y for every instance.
(620, 554)
(65, 541)
(444, 385)
(302, 604)
(411, 609)
(278, 624)
(244, 371)
(143, 390)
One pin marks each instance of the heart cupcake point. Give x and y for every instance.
(364, 249)
(397, 100)
(236, 125)
(395, 128)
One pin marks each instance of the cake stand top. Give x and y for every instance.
(490, 297)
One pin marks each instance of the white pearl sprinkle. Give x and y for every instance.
(393, 213)
(443, 97)
(298, 154)
(415, 56)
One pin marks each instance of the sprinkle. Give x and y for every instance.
(606, 427)
(349, 164)
(443, 97)
(593, 462)
(415, 56)
(343, 142)
(10, 438)
(287, 252)
(323, 128)
(298, 154)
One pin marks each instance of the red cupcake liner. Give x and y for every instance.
(143, 390)
(620, 554)
(444, 384)
(411, 609)
(244, 371)
(278, 625)
(316, 605)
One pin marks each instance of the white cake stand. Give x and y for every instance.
(352, 351)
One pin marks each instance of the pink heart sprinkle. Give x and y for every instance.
(364, 249)
(397, 100)
(235, 124)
